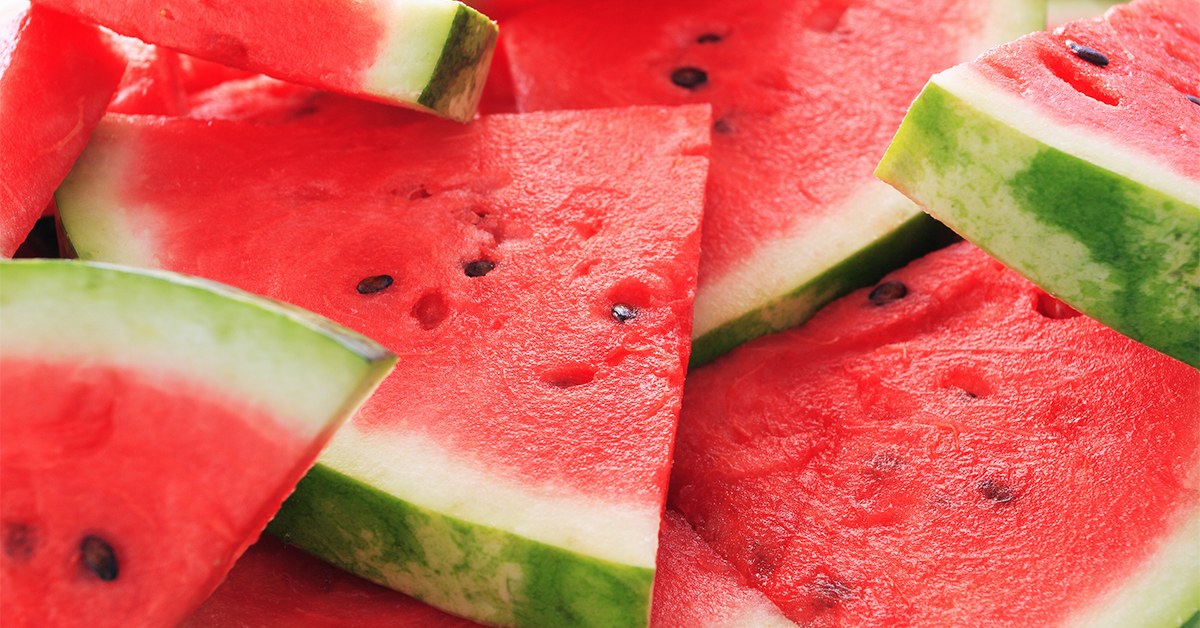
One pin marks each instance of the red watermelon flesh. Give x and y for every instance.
(265, 100)
(509, 242)
(56, 77)
(152, 82)
(967, 452)
(197, 75)
(806, 97)
(431, 55)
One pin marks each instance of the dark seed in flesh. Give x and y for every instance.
(1193, 99)
(690, 78)
(374, 284)
(99, 557)
(887, 292)
(998, 492)
(1091, 55)
(708, 38)
(623, 312)
(478, 268)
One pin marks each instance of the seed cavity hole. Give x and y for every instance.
(478, 268)
(887, 292)
(827, 17)
(708, 38)
(1051, 307)
(20, 541)
(997, 492)
(419, 194)
(1086, 83)
(569, 376)
(100, 559)
(374, 283)
(430, 310)
(689, 78)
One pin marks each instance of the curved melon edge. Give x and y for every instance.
(292, 363)
(977, 174)
(872, 255)
(475, 571)
(1163, 594)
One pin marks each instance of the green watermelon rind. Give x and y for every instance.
(543, 585)
(294, 364)
(436, 59)
(877, 253)
(1119, 249)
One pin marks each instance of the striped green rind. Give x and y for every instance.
(457, 82)
(915, 237)
(481, 573)
(1112, 247)
(294, 364)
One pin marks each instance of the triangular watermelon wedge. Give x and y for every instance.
(150, 425)
(534, 272)
(806, 95)
(1074, 158)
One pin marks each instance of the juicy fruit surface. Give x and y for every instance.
(539, 293)
(806, 97)
(1080, 176)
(432, 55)
(176, 519)
(957, 455)
(56, 77)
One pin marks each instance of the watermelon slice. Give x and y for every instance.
(1074, 158)
(953, 447)
(151, 426)
(806, 95)
(431, 55)
(56, 77)
(274, 584)
(536, 273)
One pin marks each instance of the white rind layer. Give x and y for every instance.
(417, 31)
(417, 470)
(875, 209)
(975, 90)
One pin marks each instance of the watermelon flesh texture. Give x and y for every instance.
(152, 83)
(518, 477)
(275, 584)
(970, 453)
(1083, 178)
(806, 96)
(265, 100)
(151, 427)
(430, 55)
(56, 76)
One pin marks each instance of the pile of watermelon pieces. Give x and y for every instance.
(681, 337)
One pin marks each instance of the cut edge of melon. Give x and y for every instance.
(435, 58)
(472, 570)
(786, 282)
(292, 364)
(958, 161)
(1164, 593)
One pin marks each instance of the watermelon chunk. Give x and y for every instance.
(806, 95)
(536, 273)
(431, 55)
(151, 424)
(1082, 176)
(56, 77)
(953, 447)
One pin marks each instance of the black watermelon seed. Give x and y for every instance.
(690, 78)
(887, 292)
(996, 491)
(99, 557)
(708, 38)
(374, 284)
(623, 312)
(1193, 99)
(721, 126)
(1091, 55)
(478, 268)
